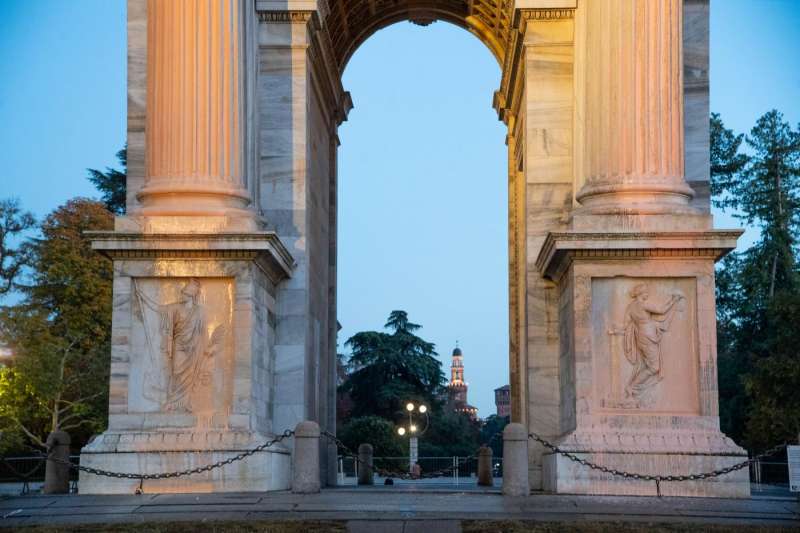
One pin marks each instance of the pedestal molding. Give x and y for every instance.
(265, 248)
(561, 248)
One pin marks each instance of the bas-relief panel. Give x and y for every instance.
(644, 345)
(182, 349)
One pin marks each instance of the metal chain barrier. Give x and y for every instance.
(651, 477)
(180, 473)
(347, 452)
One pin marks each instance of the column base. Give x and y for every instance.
(157, 452)
(653, 454)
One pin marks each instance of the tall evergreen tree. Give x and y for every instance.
(112, 183)
(389, 369)
(758, 289)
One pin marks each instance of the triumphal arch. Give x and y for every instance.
(224, 325)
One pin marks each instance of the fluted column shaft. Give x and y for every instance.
(195, 130)
(634, 154)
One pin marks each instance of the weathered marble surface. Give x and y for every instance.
(638, 361)
(193, 358)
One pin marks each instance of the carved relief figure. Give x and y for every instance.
(643, 331)
(185, 346)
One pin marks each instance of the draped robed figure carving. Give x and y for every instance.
(643, 331)
(186, 346)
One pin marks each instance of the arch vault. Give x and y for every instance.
(225, 262)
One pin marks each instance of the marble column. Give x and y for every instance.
(633, 153)
(195, 126)
(637, 358)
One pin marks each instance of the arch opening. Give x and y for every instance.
(434, 151)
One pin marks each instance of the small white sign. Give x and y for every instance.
(793, 455)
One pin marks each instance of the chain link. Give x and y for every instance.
(346, 451)
(657, 478)
(180, 473)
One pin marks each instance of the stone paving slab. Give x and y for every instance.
(385, 507)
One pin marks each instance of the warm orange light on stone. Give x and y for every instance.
(195, 121)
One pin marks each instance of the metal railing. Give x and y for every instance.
(457, 469)
(769, 473)
(25, 474)
(30, 469)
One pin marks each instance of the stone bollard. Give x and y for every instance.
(515, 461)
(305, 460)
(56, 474)
(365, 472)
(485, 477)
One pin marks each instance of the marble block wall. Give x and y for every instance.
(300, 104)
(638, 363)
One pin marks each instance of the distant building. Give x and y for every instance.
(502, 400)
(457, 388)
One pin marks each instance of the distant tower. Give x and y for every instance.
(457, 388)
(502, 399)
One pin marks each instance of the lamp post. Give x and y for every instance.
(414, 432)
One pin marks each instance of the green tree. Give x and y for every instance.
(726, 161)
(112, 183)
(14, 255)
(60, 331)
(374, 430)
(450, 434)
(757, 289)
(774, 415)
(389, 369)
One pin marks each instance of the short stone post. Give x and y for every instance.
(485, 477)
(365, 472)
(56, 474)
(305, 460)
(515, 461)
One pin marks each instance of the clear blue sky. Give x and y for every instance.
(422, 161)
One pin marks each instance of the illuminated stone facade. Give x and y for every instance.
(233, 110)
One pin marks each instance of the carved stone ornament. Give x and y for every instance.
(645, 345)
(645, 324)
(181, 346)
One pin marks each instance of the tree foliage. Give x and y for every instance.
(389, 369)
(14, 251)
(386, 370)
(374, 430)
(112, 183)
(757, 289)
(60, 332)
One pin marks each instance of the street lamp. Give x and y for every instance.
(413, 432)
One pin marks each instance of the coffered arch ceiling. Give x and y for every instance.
(351, 22)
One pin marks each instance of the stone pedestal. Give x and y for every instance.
(192, 362)
(638, 362)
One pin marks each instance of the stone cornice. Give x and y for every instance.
(560, 249)
(287, 17)
(264, 248)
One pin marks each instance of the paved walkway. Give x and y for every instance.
(359, 508)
